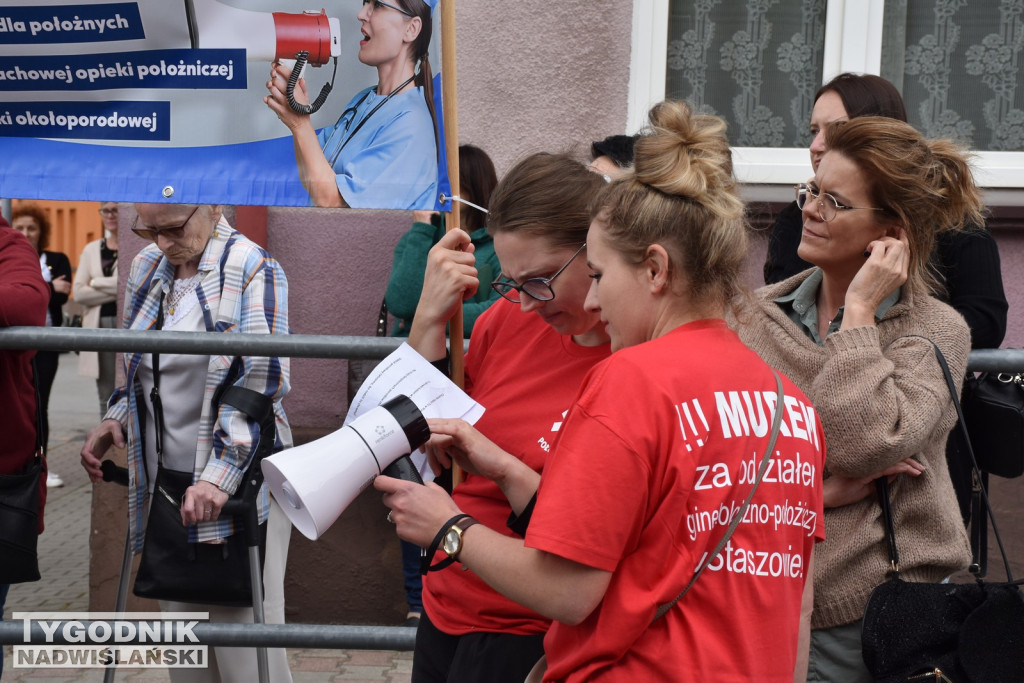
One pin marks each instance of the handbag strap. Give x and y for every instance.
(154, 394)
(738, 517)
(970, 451)
(40, 446)
(882, 484)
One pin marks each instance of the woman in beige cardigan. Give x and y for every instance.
(95, 287)
(849, 333)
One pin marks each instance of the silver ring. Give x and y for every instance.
(389, 517)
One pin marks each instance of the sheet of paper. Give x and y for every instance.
(407, 372)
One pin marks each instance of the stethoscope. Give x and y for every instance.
(352, 111)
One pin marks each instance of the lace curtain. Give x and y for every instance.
(960, 68)
(758, 63)
(755, 63)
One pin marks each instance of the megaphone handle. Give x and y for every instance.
(403, 468)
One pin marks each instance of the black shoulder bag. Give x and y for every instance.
(171, 567)
(19, 511)
(967, 632)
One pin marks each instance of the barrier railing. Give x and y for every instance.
(315, 636)
(299, 346)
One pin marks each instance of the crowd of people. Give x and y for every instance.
(643, 408)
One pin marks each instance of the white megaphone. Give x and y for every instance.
(315, 482)
(265, 36)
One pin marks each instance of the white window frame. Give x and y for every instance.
(853, 42)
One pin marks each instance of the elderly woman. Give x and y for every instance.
(95, 288)
(648, 470)
(382, 152)
(856, 334)
(31, 221)
(198, 274)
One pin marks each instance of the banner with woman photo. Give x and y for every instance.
(202, 102)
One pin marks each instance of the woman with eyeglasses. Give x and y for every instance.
(95, 288)
(967, 261)
(853, 332)
(200, 275)
(527, 357)
(382, 152)
(657, 453)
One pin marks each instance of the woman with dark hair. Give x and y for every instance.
(527, 357)
(31, 221)
(966, 261)
(382, 152)
(477, 181)
(855, 332)
(655, 455)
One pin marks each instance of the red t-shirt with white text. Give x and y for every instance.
(657, 454)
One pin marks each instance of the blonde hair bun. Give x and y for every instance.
(687, 155)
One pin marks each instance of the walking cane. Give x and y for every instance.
(244, 504)
(119, 475)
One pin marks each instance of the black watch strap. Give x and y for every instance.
(425, 565)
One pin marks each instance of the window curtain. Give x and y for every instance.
(755, 63)
(960, 68)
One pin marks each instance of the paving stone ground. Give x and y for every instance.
(64, 561)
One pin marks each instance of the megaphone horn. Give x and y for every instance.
(315, 482)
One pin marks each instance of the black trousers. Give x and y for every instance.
(475, 657)
(46, 366)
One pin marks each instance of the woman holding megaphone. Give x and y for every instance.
(382, 152)
(529, 352)
(653, 477)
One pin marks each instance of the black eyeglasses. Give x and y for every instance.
(538, 288)
(173, 232)
(828, 206)
(377, 4)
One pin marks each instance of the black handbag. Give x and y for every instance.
(962, 633)
(19, 524)
(993, 405)
(19, 511)
(171, 567)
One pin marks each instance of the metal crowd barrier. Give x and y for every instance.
(297, 346)
(314, 636)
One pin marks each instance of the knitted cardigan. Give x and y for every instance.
(882, 398)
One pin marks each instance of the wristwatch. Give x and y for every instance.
(452, 544)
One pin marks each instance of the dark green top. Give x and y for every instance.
(410, 261)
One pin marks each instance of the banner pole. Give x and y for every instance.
(449, 100)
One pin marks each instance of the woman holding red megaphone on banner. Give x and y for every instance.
(382, 152)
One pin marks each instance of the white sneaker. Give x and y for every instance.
(53, 480)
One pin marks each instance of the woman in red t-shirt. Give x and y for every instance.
(528, 355)
(657, 453)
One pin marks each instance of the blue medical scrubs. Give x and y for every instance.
(391, 160)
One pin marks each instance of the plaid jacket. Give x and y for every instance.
(242, 289)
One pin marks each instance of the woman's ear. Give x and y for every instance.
(216, 211)
(412, 29)
(656, 268)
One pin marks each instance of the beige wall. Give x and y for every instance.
(541, 76)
